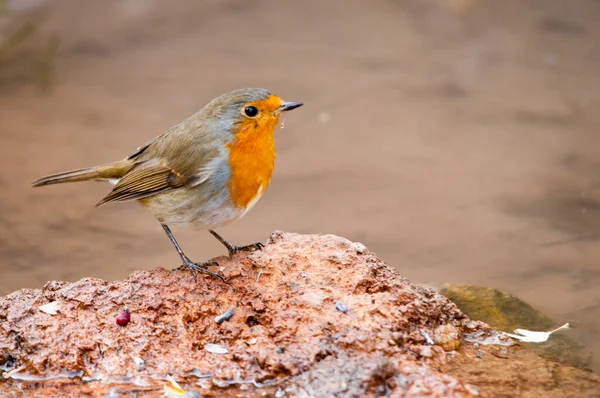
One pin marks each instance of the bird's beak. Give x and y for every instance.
(288, 106)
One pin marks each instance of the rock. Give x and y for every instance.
(285, 335)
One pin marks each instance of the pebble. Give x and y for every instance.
(224, 317)
(341, 307)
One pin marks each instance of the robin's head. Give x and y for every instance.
(248, 110)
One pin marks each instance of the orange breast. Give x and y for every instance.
(251, 160)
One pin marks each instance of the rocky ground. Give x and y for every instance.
(456, 138)
(308, 316)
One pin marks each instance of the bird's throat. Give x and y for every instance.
(251, 160)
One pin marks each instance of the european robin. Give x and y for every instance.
(208, 170)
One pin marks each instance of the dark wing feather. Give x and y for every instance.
(141, 149)
(146, 179)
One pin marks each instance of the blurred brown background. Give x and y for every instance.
(456, 138)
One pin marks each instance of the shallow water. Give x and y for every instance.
(456, 139)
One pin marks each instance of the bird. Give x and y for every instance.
(207, 171)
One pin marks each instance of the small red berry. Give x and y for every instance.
(124, 318)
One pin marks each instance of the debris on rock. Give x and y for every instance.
(123, 318)
(224, 317)
(528, 336)
(341, 307)
(216, 348)
(50, 308)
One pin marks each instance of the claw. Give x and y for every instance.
(202, 267)
(247, 248)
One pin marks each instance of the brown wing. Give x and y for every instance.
(183, 155)
(145, 179)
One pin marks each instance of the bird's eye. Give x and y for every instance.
(250, 111)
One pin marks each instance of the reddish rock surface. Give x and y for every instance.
(288, 331)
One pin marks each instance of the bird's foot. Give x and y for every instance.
(200, 267)
(248, 248)
(234, 249)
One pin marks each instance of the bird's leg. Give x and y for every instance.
(233, 249)
(187, 263)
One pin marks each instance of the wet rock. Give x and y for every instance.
(505, 313)
(281, 339)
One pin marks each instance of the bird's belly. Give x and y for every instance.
(195, 206)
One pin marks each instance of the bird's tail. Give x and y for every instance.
(107, 171)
